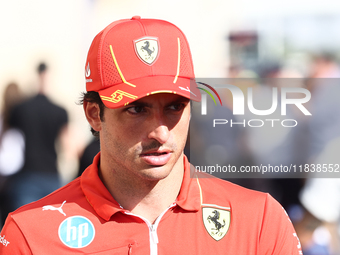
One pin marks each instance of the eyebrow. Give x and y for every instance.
(145, 104)
(179, 100)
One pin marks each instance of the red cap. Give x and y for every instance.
(134, 58)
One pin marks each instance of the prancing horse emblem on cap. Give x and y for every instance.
(147, 49)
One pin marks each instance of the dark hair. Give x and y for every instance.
(42, 68)
(12, 96)
(93, 97)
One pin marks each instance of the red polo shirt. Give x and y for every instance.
(210, 216)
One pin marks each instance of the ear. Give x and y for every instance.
(92, 113)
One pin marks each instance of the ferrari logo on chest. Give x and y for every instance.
(216, 221)
(147, 49)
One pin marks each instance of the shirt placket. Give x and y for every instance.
(153, 236)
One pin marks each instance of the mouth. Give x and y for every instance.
(154, 154)
(156, 158)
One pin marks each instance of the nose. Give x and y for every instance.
(159, 131)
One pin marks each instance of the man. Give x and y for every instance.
(43, 123)
(138, 196)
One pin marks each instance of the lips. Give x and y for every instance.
(156, 158)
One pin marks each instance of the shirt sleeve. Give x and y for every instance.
(12, 240)
(277, 235)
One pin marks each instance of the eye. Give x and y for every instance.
(177, 106)
(136, 109)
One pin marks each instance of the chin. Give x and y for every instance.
(156, 173)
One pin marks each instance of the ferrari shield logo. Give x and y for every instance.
(216, 221)
(147, 49)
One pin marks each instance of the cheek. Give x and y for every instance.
(181, 131)
(118, 138)
(108, 139)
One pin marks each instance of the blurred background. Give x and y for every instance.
(228, 39)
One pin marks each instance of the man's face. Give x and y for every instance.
(145, 139)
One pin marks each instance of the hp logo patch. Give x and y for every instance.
(76, 232)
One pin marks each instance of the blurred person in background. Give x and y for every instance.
(324, 65)
(86, 158)
(275, 144)
(42, 123)
(12, 143)
(320, 196)
(11, 139)
(325, 104)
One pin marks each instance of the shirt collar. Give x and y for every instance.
(105, 205)
(96, 193)
(189, 196)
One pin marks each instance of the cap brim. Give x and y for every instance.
(122, 94)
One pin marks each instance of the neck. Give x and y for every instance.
(42, 83)
(146, 198)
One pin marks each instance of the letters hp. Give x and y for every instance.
(74, 233)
